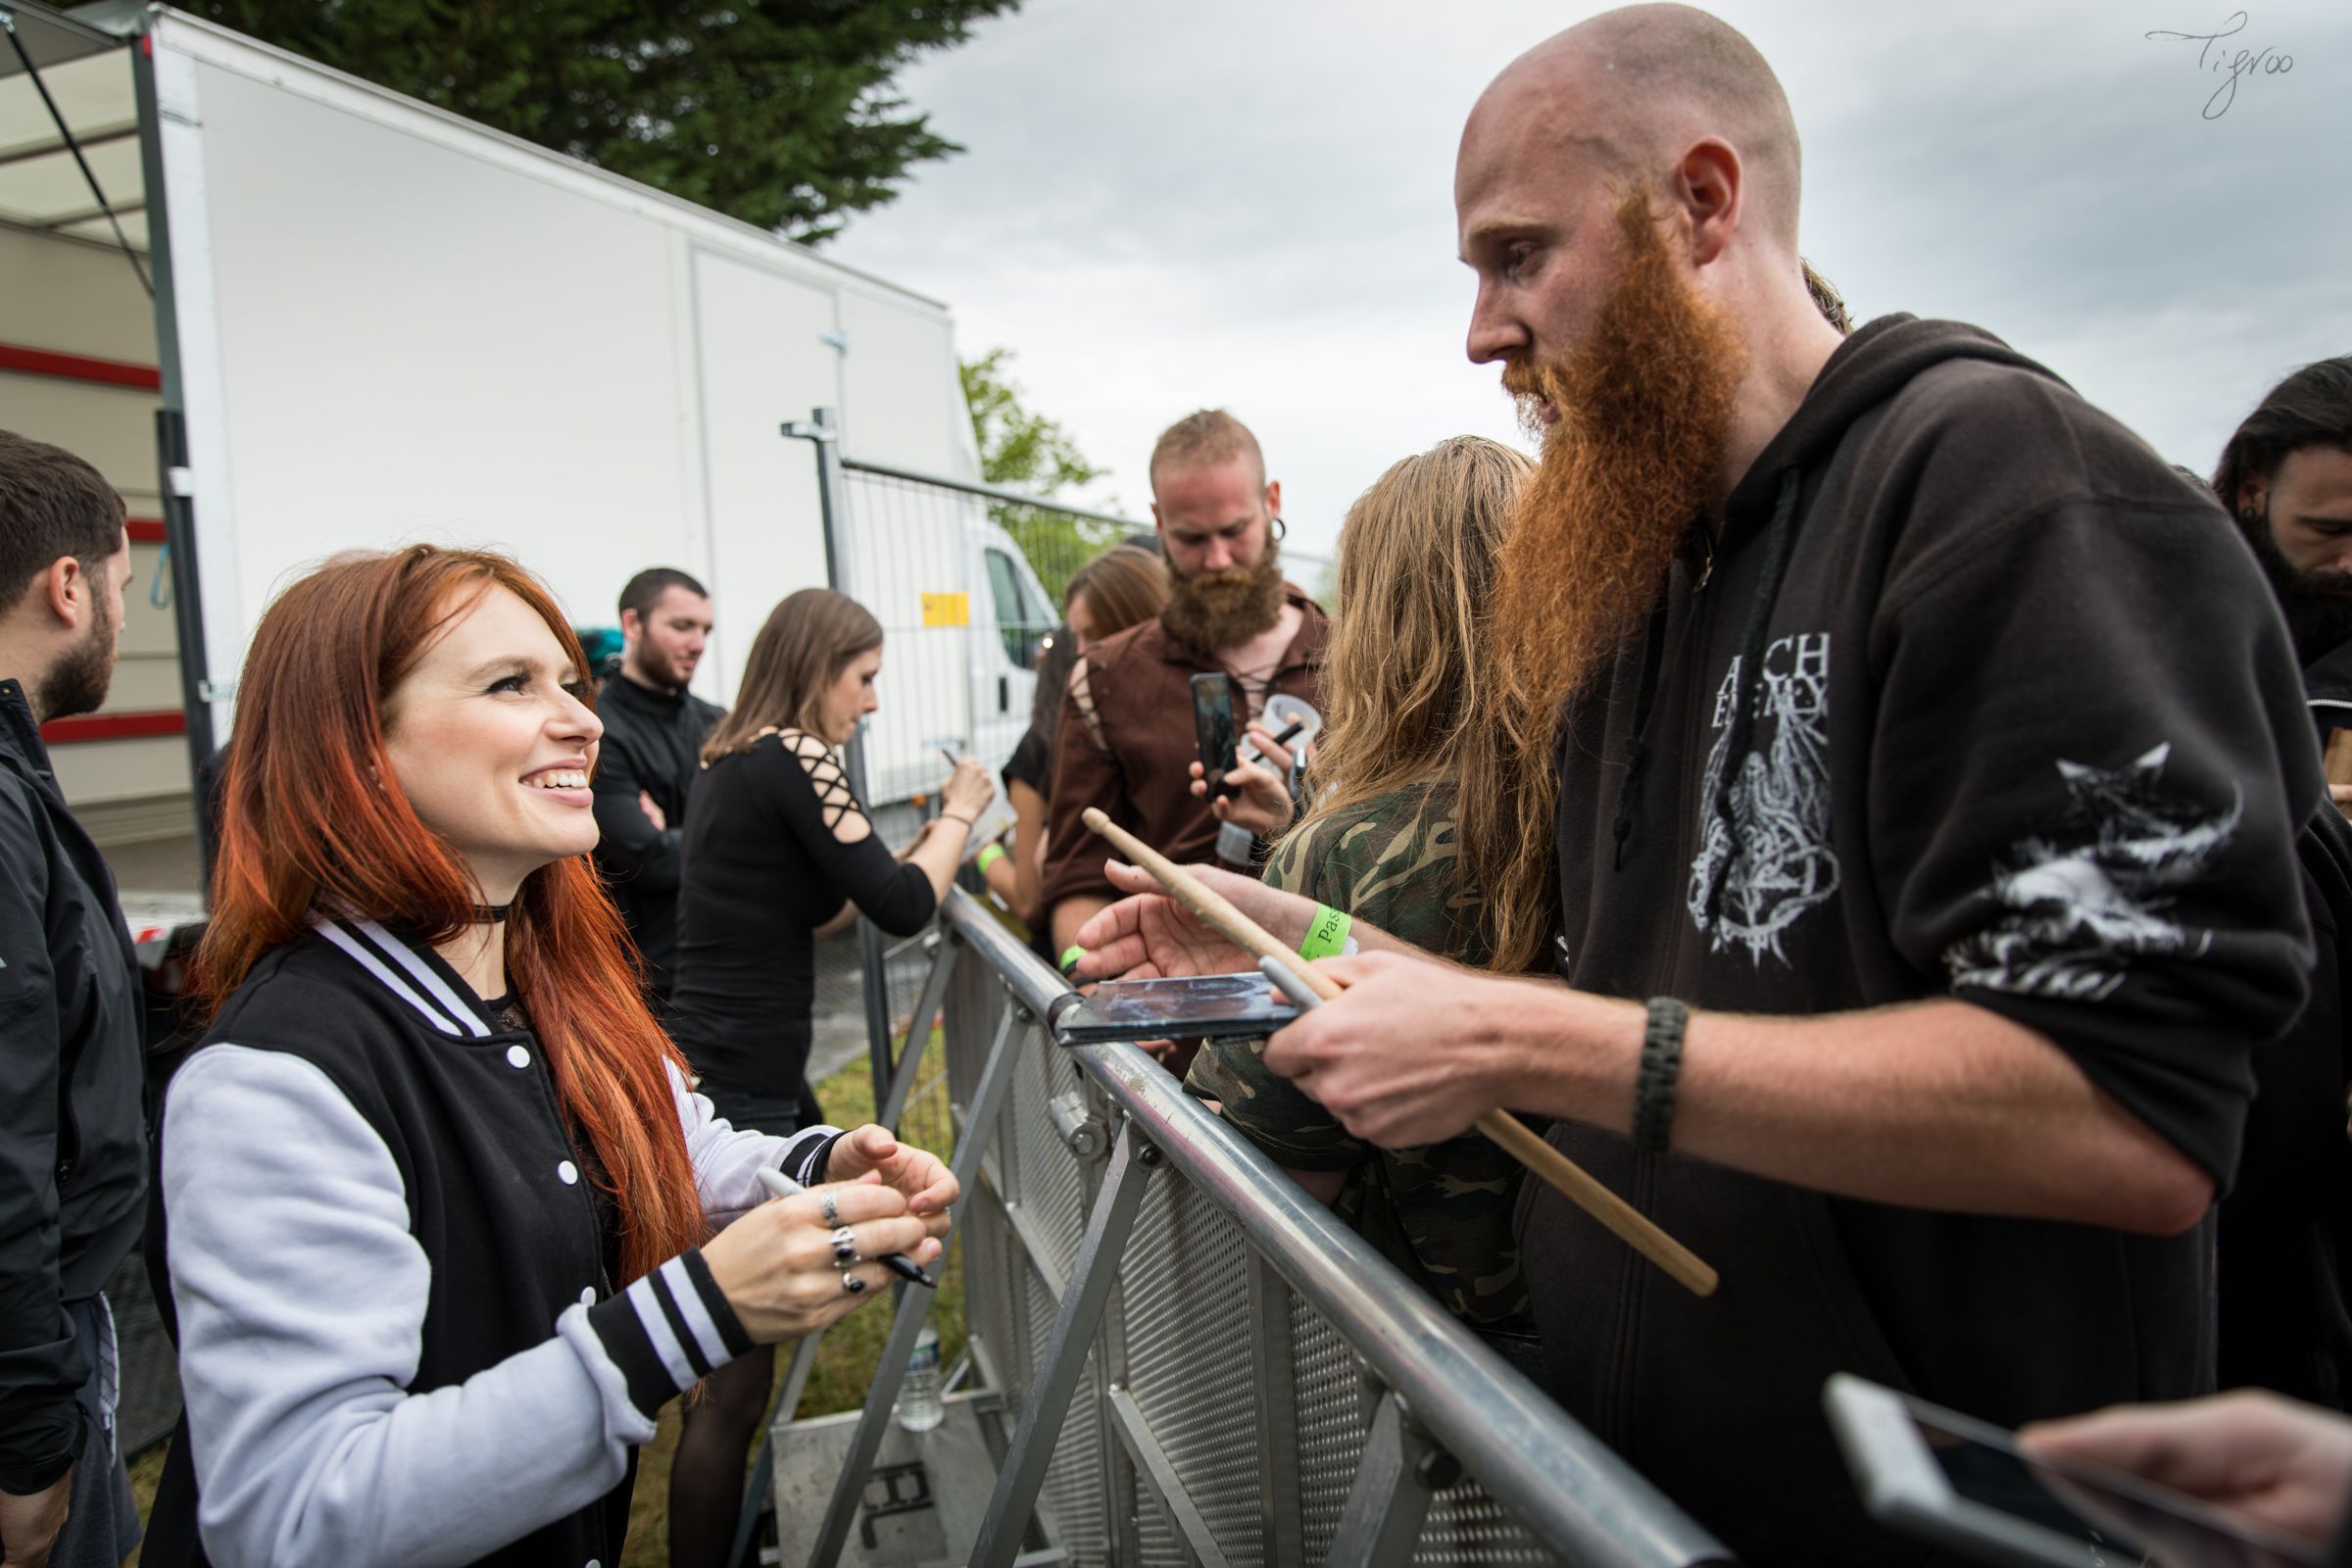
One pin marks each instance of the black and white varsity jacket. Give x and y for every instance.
(399, 1338)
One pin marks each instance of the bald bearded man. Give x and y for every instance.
(1926, 870)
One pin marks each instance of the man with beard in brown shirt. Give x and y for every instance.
(1126, 741)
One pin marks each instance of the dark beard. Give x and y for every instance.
(77, 682)
(1644, 417)
(1220, 609)
(2317, 605)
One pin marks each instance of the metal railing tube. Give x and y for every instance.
(1560, 1481)
(991, 492)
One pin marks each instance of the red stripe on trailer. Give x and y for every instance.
(114, 726)
(145, 530)
(79, 367)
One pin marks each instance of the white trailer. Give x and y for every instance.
(374, 321)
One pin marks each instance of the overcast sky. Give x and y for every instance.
(1249, 204)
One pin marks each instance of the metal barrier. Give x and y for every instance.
(1205, 1364)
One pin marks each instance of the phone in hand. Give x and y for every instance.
(1214, 727)
(1940, 1476)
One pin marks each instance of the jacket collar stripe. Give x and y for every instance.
(391, 981)
(424, 973)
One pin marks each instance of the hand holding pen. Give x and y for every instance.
(845, 1247)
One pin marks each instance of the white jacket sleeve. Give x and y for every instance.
(727, 1162)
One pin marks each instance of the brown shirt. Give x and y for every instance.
(1126, 745)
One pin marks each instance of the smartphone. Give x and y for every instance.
(1200, 1007)
(1214, 728)
(1967, 1486)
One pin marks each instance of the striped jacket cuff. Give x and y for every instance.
(805, 1156)
(668, 1331)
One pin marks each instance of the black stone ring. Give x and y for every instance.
(845, 1248)
(853, 1284)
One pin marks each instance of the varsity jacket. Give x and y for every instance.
(1974, 700)
(72, 1140)
(392, 1279)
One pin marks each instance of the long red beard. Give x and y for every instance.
(1644, 419)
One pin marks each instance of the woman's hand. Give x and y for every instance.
(776, 1268)
(1262, 802)
(915, 1174)
(968, 791)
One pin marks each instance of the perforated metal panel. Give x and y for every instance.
(1187, 1356)
(1333, 1414)
(1182, 1332)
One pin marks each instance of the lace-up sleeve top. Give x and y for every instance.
(775, 844)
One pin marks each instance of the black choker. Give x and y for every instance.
(490, 914)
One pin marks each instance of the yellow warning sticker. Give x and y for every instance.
(946, 610)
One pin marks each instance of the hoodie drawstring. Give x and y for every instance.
(1637, 749)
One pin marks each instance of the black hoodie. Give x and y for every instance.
(2024, 710)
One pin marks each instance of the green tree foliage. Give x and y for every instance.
(776, 112)
(1025, 451)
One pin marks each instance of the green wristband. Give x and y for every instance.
(1070, 957)
(1326, 933)
(988, 857)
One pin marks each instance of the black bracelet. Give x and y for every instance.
(1662, 1069)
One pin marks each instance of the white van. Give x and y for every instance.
(374, 321)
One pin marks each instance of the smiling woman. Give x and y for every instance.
(439, 1201)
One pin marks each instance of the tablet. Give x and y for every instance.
(1206, 1006)
(1968, 1487)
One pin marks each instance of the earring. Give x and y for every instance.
(1280, 529)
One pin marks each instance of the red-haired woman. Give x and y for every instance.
(439, 1202)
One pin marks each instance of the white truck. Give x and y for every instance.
(374, 321)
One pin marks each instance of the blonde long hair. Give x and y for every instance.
(1415, 695)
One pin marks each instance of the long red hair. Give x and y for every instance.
(314, 822)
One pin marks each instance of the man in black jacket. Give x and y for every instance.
(2287, 1226)
(1930, 760)
(653, 729)
(2286, 477)
(72, 1141)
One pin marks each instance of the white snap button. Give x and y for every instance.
(568, 1171)
(518, 1056)
(588, 1296)
(593, 1563)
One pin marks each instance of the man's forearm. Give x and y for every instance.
(1936, 1105)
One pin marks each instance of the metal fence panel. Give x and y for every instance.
(1241, 1445)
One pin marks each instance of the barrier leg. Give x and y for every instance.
(1274, 1370)
(1074, 1324)
(914, 1300)
(893, 1104)
(1400, 1469)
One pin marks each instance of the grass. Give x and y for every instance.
(847, 1356)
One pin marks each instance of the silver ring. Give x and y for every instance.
(851, 1284)
(825, 1206)
(845, 1248)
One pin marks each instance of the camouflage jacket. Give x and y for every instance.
(1441, 1213)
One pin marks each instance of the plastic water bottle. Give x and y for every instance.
(919, 1408)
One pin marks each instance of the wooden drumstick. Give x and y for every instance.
(1573, 1182)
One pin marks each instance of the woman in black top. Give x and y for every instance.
(776, 850)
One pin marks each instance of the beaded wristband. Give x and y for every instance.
(988, 857)
(1326, 933)
(1662, 1069)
